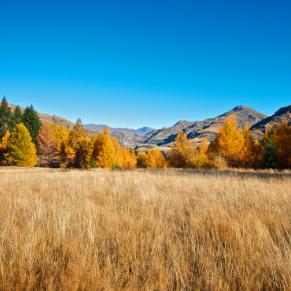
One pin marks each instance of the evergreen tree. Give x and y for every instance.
(20, 149)
(32, 122)
(270, 158)
(16, 117)
(5, 117)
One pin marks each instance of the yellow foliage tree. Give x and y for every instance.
(230, 142)
(182, 152)
(155, 159)
(201, 159)
(104, 151)
(61, 134)
(76, 135)
(248, 158)
(67, 156)
(128, 159)
(3, 146)
(20, 149)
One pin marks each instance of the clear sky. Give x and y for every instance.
(131, 63)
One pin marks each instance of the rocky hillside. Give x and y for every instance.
(52, 119)
(282, 115)
(206, 128)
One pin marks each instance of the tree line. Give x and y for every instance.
(25, 141)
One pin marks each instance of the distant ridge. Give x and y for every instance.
(146, 137)
(207, 128)
(281, 115)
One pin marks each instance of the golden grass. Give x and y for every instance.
(144, 230)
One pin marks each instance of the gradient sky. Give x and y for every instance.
(130, 63)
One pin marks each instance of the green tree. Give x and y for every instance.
(32, 122)
(16, 117)
(270, 158)
(20, 149)
(5, 117)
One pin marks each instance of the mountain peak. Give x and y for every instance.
(283, 110)
(240, 108)
(145, 129)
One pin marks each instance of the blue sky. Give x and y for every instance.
(132, 63)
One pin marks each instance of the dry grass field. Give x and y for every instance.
(144, 230)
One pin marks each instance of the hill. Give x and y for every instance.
(282, 115)
(206, 128)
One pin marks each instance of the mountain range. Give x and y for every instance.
(147, 137)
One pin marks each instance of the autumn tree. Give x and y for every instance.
(128, 159)
(282, 140)
(67, 155)
(5, 117)
(32, 122)
(248, 158)
(61, 134)
(3, 146)
(230, 142)
(77, 134)
(182, 152)
(83, 155)
(47, 146)
(155, 159)
(201, 158)
(20, 149)
(141, 160)
(70, 143)
(103, 150)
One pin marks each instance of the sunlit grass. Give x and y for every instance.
(144, 230)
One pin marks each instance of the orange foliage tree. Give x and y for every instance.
(282, 141)
(47, 146)
(182, 152)
(155, 159)
(104, 150)
(83, 155)
(3, 146)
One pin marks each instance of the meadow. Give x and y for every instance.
(144, 230)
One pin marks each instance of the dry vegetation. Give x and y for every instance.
(144, 230)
